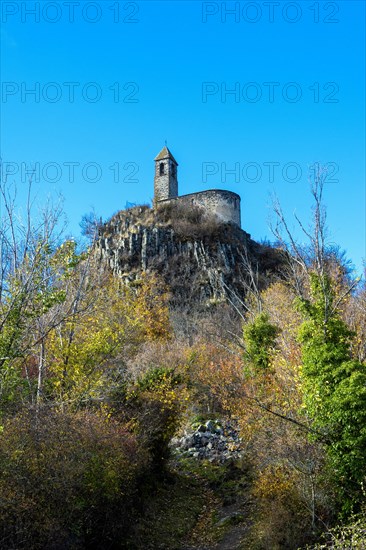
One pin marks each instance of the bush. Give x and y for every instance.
(155, 405)
(191, 222)
(67, 482)
(352, 535)
(282, 520)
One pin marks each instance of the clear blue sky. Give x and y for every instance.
(297, 69)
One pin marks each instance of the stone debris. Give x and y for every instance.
(213, 441)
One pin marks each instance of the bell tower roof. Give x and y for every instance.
(165, 154)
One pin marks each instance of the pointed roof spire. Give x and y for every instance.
(165, 154)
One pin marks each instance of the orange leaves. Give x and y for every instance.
(216, 376)
(151, 307)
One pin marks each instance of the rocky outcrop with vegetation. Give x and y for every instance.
(202, 260)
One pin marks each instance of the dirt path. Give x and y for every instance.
(233, 539)
(237, 518)
(234, 520)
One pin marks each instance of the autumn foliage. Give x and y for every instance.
(97, 376)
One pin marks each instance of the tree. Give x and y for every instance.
(87, 353)
(90, 224)
(33, 266)
(332, 384)
(334, 388)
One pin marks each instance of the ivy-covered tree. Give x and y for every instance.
(334, 389)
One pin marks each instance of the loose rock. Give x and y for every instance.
(213, 441)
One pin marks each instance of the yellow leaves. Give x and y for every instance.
(151, 307)
(271, 482)
(110, 325)
(278, 303)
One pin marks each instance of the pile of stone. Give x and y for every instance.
(213, 441)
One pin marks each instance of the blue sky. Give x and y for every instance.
(113, 80)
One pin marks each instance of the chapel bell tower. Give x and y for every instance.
(166, 177)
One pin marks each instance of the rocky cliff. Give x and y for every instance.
(202, 260)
